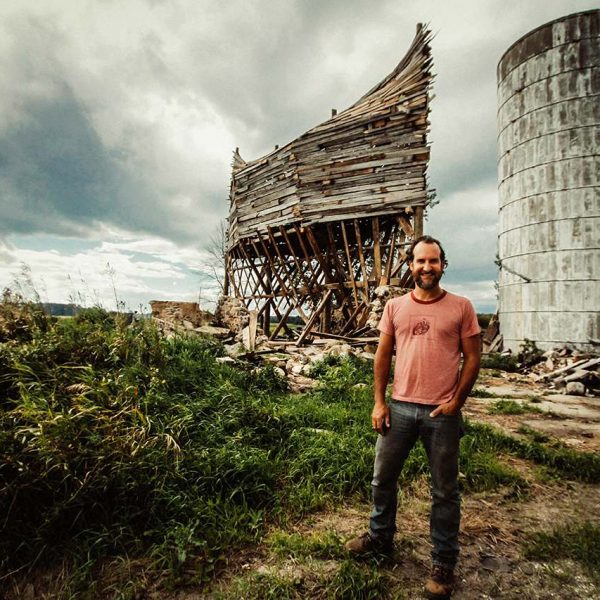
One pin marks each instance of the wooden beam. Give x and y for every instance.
(361, 259)
(418, 221)
(349, 262)
(376, 250)
(314, 317)
(282, 322)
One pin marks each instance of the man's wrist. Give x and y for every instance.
(457, 402)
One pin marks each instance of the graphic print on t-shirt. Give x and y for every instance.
(422, 327)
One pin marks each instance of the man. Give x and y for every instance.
(429, 327)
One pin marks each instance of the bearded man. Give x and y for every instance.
(429, 328)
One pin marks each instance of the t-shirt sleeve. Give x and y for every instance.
(386, 325)
(469, 325)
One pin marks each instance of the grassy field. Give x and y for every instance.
(130, 463)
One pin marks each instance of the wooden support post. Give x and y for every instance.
(358, 308)
(349, 262)
(293, 255)
(361, 258)
(390, 257)
(314, 317)
(282, 322)
(376, 250)
(418, 221)
(406, 226)
(267, 312)
(304, 251)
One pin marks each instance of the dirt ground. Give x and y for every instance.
(494, 525)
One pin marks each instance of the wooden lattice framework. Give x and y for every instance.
(317, 225)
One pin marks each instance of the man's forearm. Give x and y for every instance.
(381, 368)
(381, 375)
(467, 379)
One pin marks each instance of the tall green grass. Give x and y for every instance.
(118, 444)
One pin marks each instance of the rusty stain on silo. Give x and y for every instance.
(549, 185)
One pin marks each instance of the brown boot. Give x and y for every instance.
(366, 544)
(440, 584)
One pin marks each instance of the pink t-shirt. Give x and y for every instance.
(427, 336)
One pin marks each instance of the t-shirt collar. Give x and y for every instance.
(440, 297)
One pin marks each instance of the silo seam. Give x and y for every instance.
(545, 51)
(571, 189)
(581, 70)
(543, 135)
(565, 101)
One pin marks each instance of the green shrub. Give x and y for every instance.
(507, 407)
(482, 393)
(500, 362)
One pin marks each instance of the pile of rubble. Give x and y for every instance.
(383, 293)
(293, 362)
(573, 373)
(185, 317)
(236, 327)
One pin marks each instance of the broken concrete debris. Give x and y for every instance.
(383, 293)
(574, 373)
(173, 316)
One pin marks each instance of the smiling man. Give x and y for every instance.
(429, 329)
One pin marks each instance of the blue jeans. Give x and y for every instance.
(440, 436)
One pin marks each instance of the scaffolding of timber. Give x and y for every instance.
(317, 225)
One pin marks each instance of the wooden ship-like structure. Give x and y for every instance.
(318, 224)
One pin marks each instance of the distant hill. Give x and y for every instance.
(57, 309)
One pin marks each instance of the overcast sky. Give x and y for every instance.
(118, 119)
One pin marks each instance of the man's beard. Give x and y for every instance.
(429, 283)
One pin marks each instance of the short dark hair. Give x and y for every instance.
(426, 239)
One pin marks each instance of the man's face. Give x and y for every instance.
(427, 268)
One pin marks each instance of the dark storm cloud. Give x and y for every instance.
(57, 175)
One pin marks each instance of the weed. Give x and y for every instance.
(357, 582)
(501, 362)
(321, 545)
(261, 586)
(482, 393)
(536, 436)
(481, 470)
(337, 376)
(512, 407)
(575, 541)
(506, 407)
(535, 399)
(351, 581)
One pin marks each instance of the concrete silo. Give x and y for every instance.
(549, 178)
